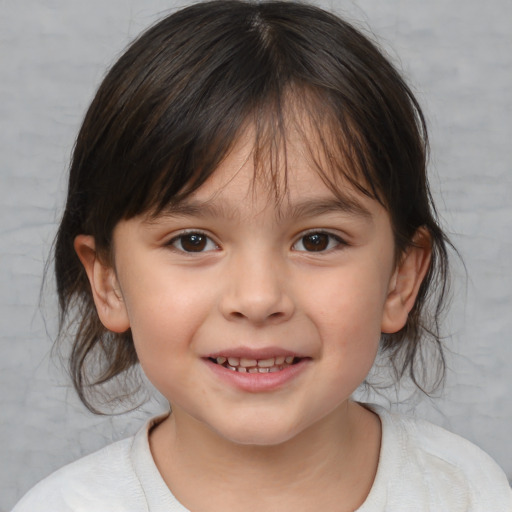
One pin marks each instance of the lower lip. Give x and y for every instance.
(259, 382)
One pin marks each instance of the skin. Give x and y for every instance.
(255, 284)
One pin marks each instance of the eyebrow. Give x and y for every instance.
(195, 208)
(315, 207)
(304, 208)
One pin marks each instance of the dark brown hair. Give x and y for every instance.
(173, 105)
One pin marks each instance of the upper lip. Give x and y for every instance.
(254, 353)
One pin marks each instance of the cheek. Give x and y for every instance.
(346, 308)
(164, 317)
(163, 334)
(348, 301)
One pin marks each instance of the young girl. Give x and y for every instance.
(249, 218)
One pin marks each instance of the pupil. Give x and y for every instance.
(316, 242)
(193, 243)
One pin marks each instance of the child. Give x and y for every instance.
(249, 218)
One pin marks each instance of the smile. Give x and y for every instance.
(246, 365)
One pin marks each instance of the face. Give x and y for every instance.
(254, 319)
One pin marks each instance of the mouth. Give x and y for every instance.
(247, 365)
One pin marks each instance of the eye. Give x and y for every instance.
(317, 241)
(193, 242)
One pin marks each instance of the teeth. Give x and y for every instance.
(247, 363)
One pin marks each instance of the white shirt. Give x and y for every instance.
(422, 467)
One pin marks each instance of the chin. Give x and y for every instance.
(258, 434)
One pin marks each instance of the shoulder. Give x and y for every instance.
(443, 468)
(103, 480)
(441, 449)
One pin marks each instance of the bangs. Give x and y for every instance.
(330, 146)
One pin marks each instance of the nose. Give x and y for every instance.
(257, 290)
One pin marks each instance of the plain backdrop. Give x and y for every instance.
(457, 56)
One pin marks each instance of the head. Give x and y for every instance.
(177, 105)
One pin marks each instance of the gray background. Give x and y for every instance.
(458, 56)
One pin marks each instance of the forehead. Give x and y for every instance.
(292, 180)
(285, 145)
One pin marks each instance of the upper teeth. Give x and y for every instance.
(253, 363)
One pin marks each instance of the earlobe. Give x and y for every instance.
(104, 285)
(406, 281)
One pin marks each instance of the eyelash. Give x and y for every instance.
(334, 242)
(203, 241)
(179, 239)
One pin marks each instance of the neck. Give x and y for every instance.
(327, 464)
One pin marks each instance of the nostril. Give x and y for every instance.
(256, 308)
(272, 316)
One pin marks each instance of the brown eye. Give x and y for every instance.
(193, 242)
(317, 242)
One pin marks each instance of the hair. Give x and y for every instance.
(174, 104)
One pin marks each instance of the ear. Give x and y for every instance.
(406, 281)
(104, 285)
